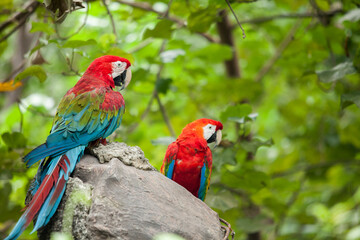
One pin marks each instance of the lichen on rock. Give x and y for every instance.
(131, 156)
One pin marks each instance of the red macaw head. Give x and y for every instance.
(115, 70)
(208, 129)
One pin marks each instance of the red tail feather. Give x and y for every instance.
(45, 188)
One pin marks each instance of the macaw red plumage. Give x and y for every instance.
(89, 112)
(188, 160)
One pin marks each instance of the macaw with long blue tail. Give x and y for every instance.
(87, 114)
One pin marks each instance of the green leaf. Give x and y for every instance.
(161, 30)
(237, 111)
(336, 73)
(165, 141)
(255, 143)
(352, 16)
(222, 200)
(14, 139)
(201, 20)
(106, 40)
(253, 224)
(214, 53)
(163, 85)
(41, 27)
(227, 156)
(78, 43)
(121, 53)
(350, 98)
(356, 60)
(34, 70)
(275, 205)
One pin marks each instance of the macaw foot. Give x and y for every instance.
(103, 141)
(227, 230)
(96, 143)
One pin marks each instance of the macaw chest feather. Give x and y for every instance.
(188, 168)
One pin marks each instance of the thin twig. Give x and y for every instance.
(132, 127)
(237, 20)
(141, 45)
(165, 116)
(286, 41)
(166, 14)
(21, 117)
(161, 106)
(111, 19)
(291, 15)
(77, 31)
(13, 30)
(11, 75)
(29, 8)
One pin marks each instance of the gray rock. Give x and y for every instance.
(128, 202)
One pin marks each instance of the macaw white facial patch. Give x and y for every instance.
(209, 130)
(118, 67)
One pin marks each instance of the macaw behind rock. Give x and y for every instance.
(89, 112)
(188, 160)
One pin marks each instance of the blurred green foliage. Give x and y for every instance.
(288, 167)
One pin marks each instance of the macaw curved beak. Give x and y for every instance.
(123, 79)
(218, 137)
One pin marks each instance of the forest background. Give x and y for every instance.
(288, 95)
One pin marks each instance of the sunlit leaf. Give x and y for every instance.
(336, 73)
(163, 29)
(42, 27)
(237, 111)
(200, 21)
(121, 53)
(352, 16)
(106, 40)
(34, 70)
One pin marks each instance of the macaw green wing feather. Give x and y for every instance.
(79, 120)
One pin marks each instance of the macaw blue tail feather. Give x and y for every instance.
(48, 195)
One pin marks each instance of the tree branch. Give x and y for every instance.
(21, 16)
(330, 13)
(147, 7)
(237, 20)
(286, 41)
(111, 18)
(224, 29)
(77, 31)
